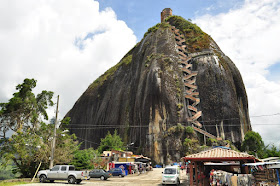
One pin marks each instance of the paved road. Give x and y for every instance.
(148, 178)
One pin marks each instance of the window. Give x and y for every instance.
(170, 171)
(71, 168)
(63, 168)
(55, 168)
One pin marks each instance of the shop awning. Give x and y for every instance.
(261, 163)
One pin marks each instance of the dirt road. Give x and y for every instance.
(148, 178)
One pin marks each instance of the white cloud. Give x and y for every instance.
(65, 45)
(249, 35)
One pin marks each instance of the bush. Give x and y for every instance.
(211, 141)
(86, 159)
(189, 130)
(179, 128)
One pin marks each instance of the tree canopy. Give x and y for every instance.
(24, 108)
(30, 143)
(86, 159)
(111, 142)
(28, 148)
(253, 144)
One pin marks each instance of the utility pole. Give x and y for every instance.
(54, 135)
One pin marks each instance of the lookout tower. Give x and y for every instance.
(165, 13)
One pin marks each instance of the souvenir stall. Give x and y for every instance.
(265, 173)
(226, 167)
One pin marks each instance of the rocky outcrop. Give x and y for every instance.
(145, 96)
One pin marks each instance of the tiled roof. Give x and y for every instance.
(219, 153)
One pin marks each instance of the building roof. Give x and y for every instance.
(219, 154)
(277, 166)
(271, 159)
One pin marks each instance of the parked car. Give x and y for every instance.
(117, 172)
(171, 175)
(63, 172)
(99, 173)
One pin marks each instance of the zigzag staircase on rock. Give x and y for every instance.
(191, 92)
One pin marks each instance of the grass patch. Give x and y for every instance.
(3, 183)
(156, 27)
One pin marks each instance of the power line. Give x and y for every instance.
(265, 115)
(87, 140)
(205, 121)
(123, 127)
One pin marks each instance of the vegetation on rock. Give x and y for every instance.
(191, 145)
(196, 39)
(156, 27)
(109, 73)
(189, 130)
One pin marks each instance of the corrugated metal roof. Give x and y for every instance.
(220, 153)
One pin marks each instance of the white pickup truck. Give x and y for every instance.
(63, 172)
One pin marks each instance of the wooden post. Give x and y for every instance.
(200, 171)
(36, 172)
(243, 169)
(204, 179)
(195, 170)
(246, 168)
(191, 173)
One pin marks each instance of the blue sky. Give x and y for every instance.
(141, 15)
(67, 44)
(274, 72)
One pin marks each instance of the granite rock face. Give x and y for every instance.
(143, 96)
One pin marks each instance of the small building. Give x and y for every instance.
(165, 14)
(200, 164)
(126, 159)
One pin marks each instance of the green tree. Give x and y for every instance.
(30, 143)
(24, 108)
(272, 151)
(111, 142)
(28, 148)
(86, 159)
(253, 144)
(191, 145)
(6, 171)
